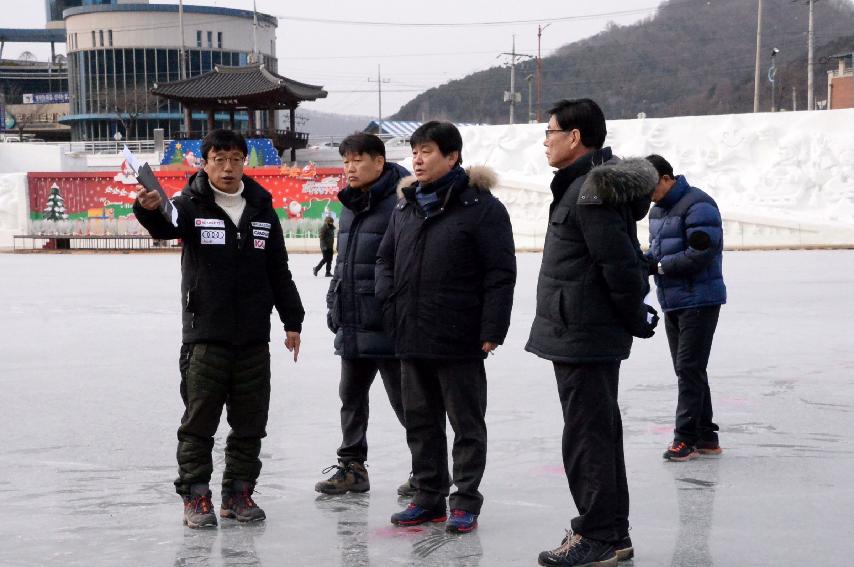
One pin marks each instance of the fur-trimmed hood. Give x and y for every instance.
(481, 177)
(619, 182)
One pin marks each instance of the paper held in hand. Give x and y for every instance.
(145, 177)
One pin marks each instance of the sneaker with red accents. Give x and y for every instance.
(414, 515)
(198, 508)
(709, 447)
(461, 522)
(679, 451)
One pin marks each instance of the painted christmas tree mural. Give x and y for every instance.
(253, 158)
(178, 156)
(55, 209)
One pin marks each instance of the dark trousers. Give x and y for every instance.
(357, 375)
(690, 333)
(433, 390)
(213, 376)
(327, 260)
(593, 448)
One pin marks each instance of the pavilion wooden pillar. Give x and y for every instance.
(231, 119)
(251, 112)
(271, 122)
(293, 133)
(211, 123)
(188, 120)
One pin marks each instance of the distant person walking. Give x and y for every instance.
(327, 246)
(686, 259)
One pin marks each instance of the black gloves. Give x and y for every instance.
(647, 329)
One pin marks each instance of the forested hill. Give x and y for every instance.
(692, 57)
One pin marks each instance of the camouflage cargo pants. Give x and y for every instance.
(213, 376)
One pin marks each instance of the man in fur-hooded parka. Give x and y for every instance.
(446, 270)
(590, 302)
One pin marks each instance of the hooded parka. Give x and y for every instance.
(593, 279)
(446, 277)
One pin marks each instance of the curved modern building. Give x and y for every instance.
(117, 52)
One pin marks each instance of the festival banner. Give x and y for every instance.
(298, 193)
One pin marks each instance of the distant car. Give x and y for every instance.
(398, 141)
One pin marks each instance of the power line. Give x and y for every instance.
(468, 24)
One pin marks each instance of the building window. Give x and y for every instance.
(210, 39)
(110, 37)
(101, 37)
(93, 39)
(219, 40)
(198, 38)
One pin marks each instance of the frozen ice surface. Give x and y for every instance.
(88, 370)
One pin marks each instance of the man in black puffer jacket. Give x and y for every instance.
(446, 269)
(234, 269)
(590, 302)
(354, 314)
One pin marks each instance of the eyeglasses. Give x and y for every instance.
(549, 132)
(220, 161)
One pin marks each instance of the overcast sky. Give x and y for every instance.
(342, 57)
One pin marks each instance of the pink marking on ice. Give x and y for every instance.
(394, 531)
(660, 429)
(549, 470)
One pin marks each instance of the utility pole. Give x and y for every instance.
(540, 29)
(254, 58)
(758, 56)
(530, 101)
(794, 99)
(512, 96)
(182, 63)
(380, 82)
(772, 72)
(810, 57)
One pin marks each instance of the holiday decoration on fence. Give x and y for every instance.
(55, 209)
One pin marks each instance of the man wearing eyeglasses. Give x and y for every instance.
(590, 302)
(234, 270)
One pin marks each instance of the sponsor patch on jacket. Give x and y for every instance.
(260, 233)
(262, 225)
(260, 243)
(210, 223)
(213, 236)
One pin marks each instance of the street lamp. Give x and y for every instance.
(772, 71)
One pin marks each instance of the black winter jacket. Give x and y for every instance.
(327, 236)
(353, 312)
(593, 279)
(231, 277)
(446, 279)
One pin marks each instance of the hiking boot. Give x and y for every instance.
(461, 522)
(414, 515)
(198, 508)
(407, 490)
(315, 270)
(237, 503)
(578, 551)
(350, 477)
(679, 451)
(709, 447)
(623, 548)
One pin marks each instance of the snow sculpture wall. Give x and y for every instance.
(780, 179)
(13, 206)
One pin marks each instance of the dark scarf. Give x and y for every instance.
(434, 195)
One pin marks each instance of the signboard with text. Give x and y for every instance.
(44, 98)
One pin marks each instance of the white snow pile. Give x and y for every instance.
(780, 179)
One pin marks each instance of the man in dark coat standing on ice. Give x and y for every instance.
(590, 302)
